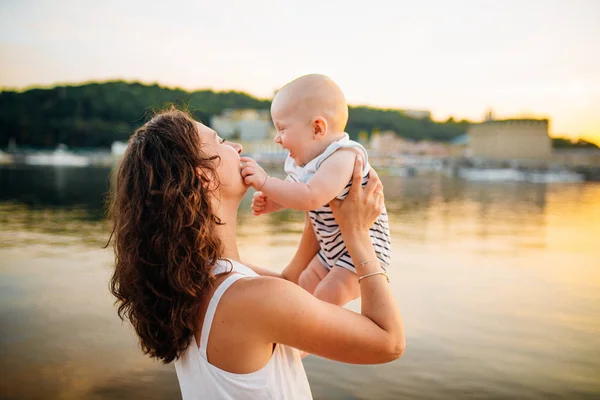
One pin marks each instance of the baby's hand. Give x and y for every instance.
(259, 204)
(252, 173)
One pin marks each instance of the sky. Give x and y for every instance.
(455, 58)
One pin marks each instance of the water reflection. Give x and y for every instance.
(48, 187)
(499, 286)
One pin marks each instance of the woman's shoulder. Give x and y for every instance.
(259, 289)
(257, 297)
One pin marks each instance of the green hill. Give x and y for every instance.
(96, 114)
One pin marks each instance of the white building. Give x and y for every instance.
(245, 125)
(511, 139)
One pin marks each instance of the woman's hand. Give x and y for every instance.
(362, 206)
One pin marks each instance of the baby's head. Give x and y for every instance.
(309, 113)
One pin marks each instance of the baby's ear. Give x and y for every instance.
(319, 128)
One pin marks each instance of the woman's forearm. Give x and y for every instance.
(377, 302)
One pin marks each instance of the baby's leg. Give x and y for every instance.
(312, 275)
(339, 287)
(310, 278)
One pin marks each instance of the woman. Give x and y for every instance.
(231, 330)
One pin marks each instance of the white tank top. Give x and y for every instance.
(283, 377)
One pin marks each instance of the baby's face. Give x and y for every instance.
(294, 132)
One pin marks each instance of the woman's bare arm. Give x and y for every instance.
(285, 313)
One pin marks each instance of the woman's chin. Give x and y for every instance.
(243, 189)
(234, 191)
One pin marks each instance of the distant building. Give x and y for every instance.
(511, 139)
(245, 125)
(388, 144)
(417, 114)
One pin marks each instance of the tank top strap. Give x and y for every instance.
(223, 266)
(212, 308)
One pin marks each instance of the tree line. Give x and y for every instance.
(95, 115)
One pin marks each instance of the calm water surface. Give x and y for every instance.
(499, 285)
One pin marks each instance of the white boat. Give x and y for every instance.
(554, 176)
(490, 174)
(60, 156)
(5, 158)
(513, 175)
(117, 149)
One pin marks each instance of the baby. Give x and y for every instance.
(310, 115)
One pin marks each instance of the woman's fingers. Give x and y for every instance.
(362, 206)
(379, 191)
(381, 200)
(356, 187)
(374, 185)
(335, 204)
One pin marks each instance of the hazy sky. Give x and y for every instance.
(529, 57)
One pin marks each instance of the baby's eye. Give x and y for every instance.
(221, 141)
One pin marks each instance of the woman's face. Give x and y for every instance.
(228, 165)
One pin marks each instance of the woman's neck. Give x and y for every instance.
(227, 213)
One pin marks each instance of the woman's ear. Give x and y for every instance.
(319, 127)
(206, 178)
(199, 174)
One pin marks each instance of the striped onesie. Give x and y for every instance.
(333, 251)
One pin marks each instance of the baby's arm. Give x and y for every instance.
(331, 178)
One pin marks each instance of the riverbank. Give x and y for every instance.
(272, 157)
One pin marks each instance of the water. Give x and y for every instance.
(499, 286)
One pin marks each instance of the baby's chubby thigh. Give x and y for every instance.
(340, 286)
(314, 273)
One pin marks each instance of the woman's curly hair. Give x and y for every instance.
(164, 232)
